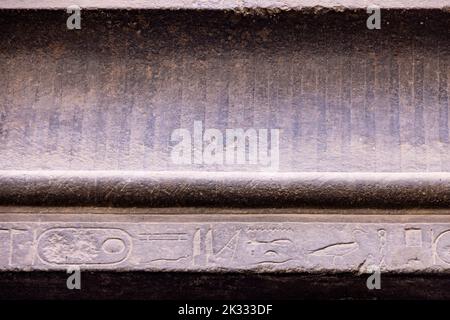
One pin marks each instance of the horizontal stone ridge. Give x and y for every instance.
(225, 189)
(227, 4)
(237, 243)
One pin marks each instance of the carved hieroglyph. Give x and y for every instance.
(136, 243)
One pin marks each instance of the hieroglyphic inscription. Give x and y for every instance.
(442, 247)
(268, 246)
(79, 246)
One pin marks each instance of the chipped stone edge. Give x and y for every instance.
(235, 5)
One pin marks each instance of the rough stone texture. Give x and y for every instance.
(109, 96)
(223, 4)
(212, 243)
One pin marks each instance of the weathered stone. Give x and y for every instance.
(225, 189)
(109, 96)
(227, 4)
(214, 243)
(347, 99)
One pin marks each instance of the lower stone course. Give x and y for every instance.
(261, 243)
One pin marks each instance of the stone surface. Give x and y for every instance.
(224, 4)
(109, 96)
(225, 189)
(215, 243)
(347, 99)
